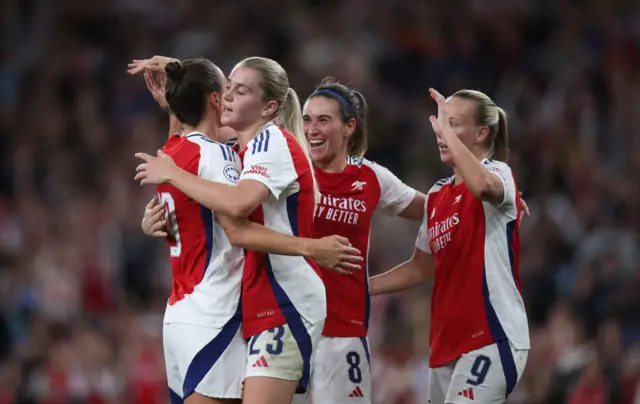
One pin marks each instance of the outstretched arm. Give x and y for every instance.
(415, 210)
(410, 273)
(406, 275)
(332, 252)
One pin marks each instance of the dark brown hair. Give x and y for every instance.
(189, 85)
(352, 105)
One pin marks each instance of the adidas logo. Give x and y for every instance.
(468, 393)
(356, 393)
(260, 363)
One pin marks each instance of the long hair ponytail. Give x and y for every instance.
(290, 117)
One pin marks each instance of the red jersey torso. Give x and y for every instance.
(476, 297)
(349, 199)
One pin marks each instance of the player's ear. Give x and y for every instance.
(350, 127)
(215, 101)
(482, 134)
(270, 108)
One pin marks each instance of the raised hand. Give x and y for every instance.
(156, 84)
(154, 64)
(335, 253)
(440, 122)
(154, 170)
(154, 221)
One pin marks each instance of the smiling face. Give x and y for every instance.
(325, 130)
(462, 118)
(243, 104)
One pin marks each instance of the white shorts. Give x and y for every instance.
(486, 375)
(285, 352)
(341, 372)
(210, 361)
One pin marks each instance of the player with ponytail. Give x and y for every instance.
(283, 297)
(469, 243)
(352, 188)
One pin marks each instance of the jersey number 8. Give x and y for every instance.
(175, 246)
(355, 374)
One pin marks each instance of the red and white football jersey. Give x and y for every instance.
(276, 286)
(348, 201)
(476, 298)
(207, 269)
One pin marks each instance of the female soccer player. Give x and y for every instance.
(205, 355)
(284, 304)
(352, 188)
(479, 333)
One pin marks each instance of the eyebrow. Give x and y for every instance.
(305, 116)
(237, 84)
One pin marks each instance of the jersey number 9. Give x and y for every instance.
(175, 247)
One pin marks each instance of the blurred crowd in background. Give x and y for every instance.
(82, 290)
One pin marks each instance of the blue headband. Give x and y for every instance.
(337, 96)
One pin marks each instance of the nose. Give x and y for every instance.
(311, 128)
(227, 96)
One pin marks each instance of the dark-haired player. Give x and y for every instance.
(352, 189)
(204, 351)
(284, 301)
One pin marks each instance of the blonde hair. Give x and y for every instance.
(491, 115)
(275, 87)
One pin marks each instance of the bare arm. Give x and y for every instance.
(236, 202)
(406, 275)
(482, 184)
(233, 201)
(415, 210)
(333, 252)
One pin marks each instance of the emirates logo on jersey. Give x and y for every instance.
(440, 232)
(343, 210)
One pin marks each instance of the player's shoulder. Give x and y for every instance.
(367, 166)
(499, 168)
(172, 141)
(212, 149)
(495, 164)
(441, 183)
(271, 139)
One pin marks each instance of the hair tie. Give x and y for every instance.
(337, 96)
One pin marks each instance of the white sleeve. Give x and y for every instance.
(422, 241)
(395, 195)
(268, 160)
(219, 163)
(503, 172)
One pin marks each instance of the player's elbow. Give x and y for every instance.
(238, 211)
(237, 235)
(234, 235)
(484, 188)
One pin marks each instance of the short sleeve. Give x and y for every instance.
(268, 160)
(219, 163)
(422, 241)
(395, 195)
(503, 172)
